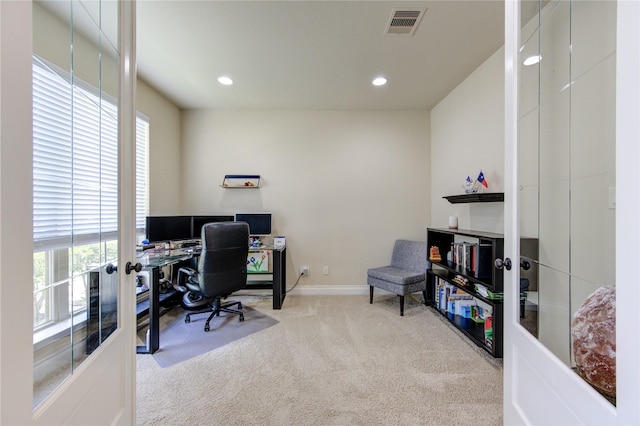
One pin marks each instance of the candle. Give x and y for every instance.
(453, 222)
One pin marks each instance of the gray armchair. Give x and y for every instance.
(406, 274)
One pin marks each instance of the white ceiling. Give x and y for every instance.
(311, 54)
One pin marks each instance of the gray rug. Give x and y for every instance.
(180, 341)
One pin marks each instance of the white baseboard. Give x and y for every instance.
(330, 290)
(321, 290)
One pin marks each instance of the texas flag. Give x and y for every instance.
(482, 180)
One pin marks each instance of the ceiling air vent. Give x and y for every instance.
(404, 21)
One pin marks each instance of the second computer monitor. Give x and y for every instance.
(200, 221)
(259, 223)
(168, 228)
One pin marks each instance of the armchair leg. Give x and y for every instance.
(370, 294)
(424, 293)
(401, 305)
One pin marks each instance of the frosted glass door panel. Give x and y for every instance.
(76, 73)
(567, 163)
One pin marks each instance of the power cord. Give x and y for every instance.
(294, 286)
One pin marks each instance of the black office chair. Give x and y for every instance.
(222, 269)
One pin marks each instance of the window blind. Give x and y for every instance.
(75, 162)
(142, 172)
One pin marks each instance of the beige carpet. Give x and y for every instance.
(331, 360)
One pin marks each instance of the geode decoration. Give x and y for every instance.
(594, 340)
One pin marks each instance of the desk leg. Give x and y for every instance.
(153, 333)
(279, 278)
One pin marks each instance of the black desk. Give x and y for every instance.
(153, 260)
(278, 284)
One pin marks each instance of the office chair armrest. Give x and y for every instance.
(184, 274)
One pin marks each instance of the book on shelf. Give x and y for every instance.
(452, 299)
(458, 306)
(485, 292)
(465, 311)
(474, 257)
(460, 296)
(481, 290)
(484, 261)
(481, 311)
(488, 331)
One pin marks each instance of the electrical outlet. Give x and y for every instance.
(612, 197)
(325, 270)
(304, 270)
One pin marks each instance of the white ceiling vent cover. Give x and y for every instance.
(404, 21)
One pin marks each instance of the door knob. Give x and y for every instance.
(111, 268)
(506, 263)
(524, 264)
(131, 267)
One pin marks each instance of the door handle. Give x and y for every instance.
(506, 263)
(131, 267)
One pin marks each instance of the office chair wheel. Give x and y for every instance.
(187, 319)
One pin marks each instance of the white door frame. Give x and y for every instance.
(628, 211)
(16, 228)
(81, 398)
(538, 387)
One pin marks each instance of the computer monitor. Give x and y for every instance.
(259, 223)
(168, 228)
(199, 221)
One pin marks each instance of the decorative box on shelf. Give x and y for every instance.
(241, 181)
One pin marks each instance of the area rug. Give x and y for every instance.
(180, 341)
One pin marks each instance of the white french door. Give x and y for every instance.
(570, 114)
(101, 388)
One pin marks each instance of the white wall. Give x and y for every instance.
(467, 134)
(165, 178)
(342, 185)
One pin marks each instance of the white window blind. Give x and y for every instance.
(75, 152)
(142, 172)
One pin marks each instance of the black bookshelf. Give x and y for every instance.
(443, 280)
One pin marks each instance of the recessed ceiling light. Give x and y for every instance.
(379, 81)
(532, 60)
(225, 80)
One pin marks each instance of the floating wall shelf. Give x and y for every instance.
(480, 197)
(241, 181)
